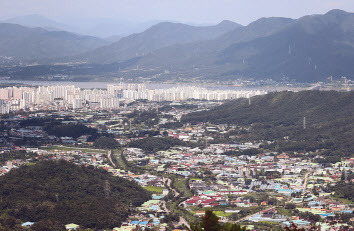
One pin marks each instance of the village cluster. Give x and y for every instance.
(265, 187)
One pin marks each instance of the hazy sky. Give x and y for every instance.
(197, 11)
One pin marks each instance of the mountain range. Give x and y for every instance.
(35, 20)
(97, 27)
(307, 49)
(162, 35)
(26, 43)
(311, 48)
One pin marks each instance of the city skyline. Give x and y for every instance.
(61, 97)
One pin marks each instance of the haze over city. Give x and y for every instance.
(176, 115)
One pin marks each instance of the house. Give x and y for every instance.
(199, 213)
(268, 213)
(144, 223)
(125, 228)
(192, 201)
(264, 203)
(232, 211)
(283, 156)
(165, 192)
(71, 226)
(27, 224)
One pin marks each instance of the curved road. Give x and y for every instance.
(182, 221)
(109, 156)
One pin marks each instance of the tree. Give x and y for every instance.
(210, 222)
(293, 227)
(106, 143)
(233, 227)
(342, 178)
(72, 130)
(46, 225)
(10, 223)
(290, 206)
(248, 181)
(59, 192)
(154, 144)
(173, 217)
(315, 192)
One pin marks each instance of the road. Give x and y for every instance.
(163, 203)
(62, 146)
(305, 181)
(182, 221)
(168, 181)
(109, 156)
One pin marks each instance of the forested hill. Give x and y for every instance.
(281, 108)
(329, 117)
(55, 193)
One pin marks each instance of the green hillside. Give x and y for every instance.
(59, 192)
(153, 144)
(329, 119)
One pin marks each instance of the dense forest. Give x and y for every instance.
(16, 155)
(106, 143)
(59, 192)
(149, 118)
(328, 116)
(55, 127)
(154, 144)
(344, 188)
(58, 129)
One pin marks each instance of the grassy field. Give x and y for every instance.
(217, 213)
(343, 200)
(154, 189)
(117, 157)
(222, 214)
(181, 186)
(283, 211)
(64, 148)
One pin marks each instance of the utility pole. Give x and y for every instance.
(304, 123)
(107, 189)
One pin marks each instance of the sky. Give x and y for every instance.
(187, 11)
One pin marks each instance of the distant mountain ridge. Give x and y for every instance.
(204, 54)
(161, 35)
(26, 43)
(96, 27)
(313, 46)
(308, 49)
(35, 21)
